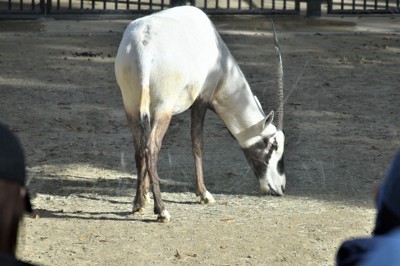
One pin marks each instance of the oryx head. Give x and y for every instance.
(265, 157)
(265, 151)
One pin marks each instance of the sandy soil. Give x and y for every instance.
(58, 92)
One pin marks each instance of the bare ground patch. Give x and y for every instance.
(58, 92)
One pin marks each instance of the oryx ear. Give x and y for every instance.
(269, 118)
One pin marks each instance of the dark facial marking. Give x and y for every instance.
(256, 157)
(281, 166)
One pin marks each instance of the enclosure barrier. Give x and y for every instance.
(363, 6)
(38, 8)
(54, 7)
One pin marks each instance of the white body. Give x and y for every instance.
(179, 66)
(170, 60)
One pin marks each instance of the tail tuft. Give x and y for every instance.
(145, 103)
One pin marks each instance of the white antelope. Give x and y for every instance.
(174, 60)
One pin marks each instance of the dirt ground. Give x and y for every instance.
(58, 93)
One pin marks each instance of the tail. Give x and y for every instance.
(145, 104)
(144, 65)
(145, 115)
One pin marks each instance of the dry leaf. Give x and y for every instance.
(229, 220)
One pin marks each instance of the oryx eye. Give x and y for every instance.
(274, 145)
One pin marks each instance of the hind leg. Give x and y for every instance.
(160, 126)
(142, 187)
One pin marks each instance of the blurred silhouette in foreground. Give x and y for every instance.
(383, 248)
(14, 198)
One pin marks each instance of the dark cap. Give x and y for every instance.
(12, 161)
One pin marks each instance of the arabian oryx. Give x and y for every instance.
(174, 60)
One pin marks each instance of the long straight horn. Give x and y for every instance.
(279, 110)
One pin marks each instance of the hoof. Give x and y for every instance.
(146, 198)
(164, 217)
(139, 211)
(207, 198)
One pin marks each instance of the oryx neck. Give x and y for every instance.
(250, 135)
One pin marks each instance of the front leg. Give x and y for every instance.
(198, 113)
